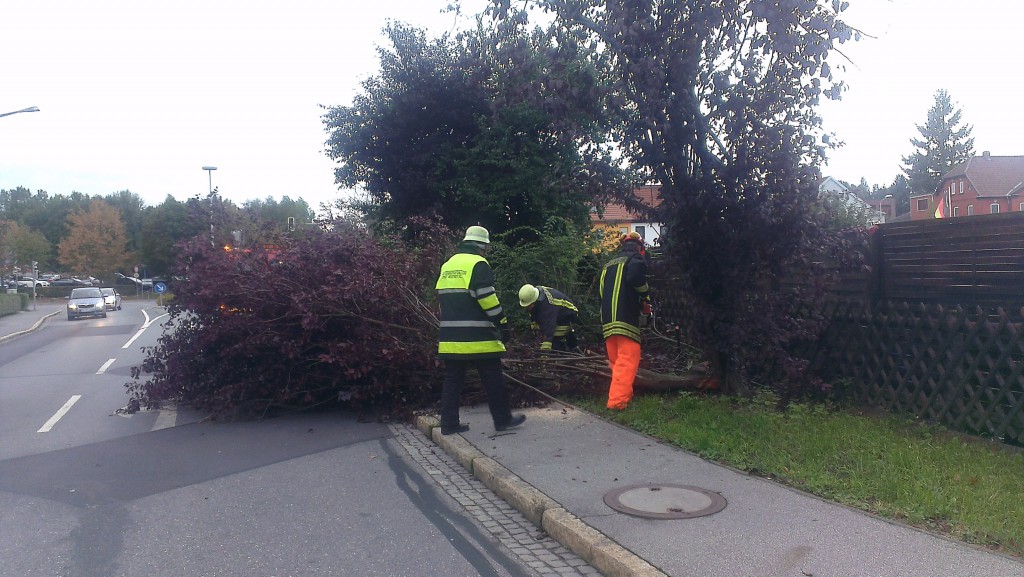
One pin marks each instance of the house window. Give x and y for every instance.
(956, 211)
(642, 231)
(970, 209)
(961, 187)
(922, 204)
(1022, 207)
(623, 230)
(994, 209)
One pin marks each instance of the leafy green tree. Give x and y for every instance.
(498, 127)
(42, 212)
(163, 227)
(943, 145)
(20, 245)
(132, 208)
(268, 217)
(717, 103)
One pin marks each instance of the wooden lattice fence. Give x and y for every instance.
(933, 326)
(958, 368)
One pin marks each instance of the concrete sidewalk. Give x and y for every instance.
(19, 323)
(561, 467)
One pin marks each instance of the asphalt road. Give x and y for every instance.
(88, 492)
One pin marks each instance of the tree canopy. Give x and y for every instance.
(943, 145)
(717, 103)
(499, 127)
(96, 242)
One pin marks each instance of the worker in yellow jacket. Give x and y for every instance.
(624, 297)
(552, 314)
(473, 332)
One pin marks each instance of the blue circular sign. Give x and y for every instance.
(159, 287)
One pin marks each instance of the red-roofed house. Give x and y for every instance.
(983, 184)
(618, 220)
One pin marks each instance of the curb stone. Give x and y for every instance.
(604, 554)
(34, 327)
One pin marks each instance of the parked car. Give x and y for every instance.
(145, 284)
(86, 302)
(111, 298)
(29, 281)
(71, 282)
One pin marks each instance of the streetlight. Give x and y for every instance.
(35, 279)
(209, 170)
(29, 109)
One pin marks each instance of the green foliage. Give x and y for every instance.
(38, 222)
(893, 467)
(943, 145)
(163, 227)
(12, 303)
(840, 214)
(558, 256)
(497, 127)
(20, 245)
(718, 106)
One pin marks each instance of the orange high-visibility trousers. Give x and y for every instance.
(624, 360)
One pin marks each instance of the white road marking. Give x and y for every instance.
(60, 413)
(105, 366)
(145, 326)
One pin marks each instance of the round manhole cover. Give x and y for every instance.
(665, 501)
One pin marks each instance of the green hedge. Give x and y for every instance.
(12, 303)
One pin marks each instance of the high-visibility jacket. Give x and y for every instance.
(471, 316)
(553, 314)
(623, 289)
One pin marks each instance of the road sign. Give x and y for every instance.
(159, 288)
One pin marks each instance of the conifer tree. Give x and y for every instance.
(943, 145)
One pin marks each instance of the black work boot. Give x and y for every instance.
(459, 428)
(514, 422)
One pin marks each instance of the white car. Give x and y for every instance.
(27, 282)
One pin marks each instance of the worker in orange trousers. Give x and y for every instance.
(625, 296)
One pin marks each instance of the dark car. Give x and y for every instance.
(70, 282)
(111, 298)
(86, 302)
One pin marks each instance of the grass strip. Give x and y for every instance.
(901, 469)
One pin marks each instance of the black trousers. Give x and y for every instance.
(493, 380)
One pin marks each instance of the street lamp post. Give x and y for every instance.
(209, 170)
(29, 109)
(35, 279)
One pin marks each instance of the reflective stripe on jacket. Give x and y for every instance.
(623, 288)
(553, 313)
(470, 311)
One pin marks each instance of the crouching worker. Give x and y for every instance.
(553, 314)
(473, 333)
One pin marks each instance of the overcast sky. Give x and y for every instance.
(140, 96)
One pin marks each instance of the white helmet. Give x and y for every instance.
(528, 295)
(478, 234)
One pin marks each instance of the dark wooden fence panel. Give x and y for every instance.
(976, 261)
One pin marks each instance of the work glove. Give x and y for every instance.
(506, 334)
(645, 314)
